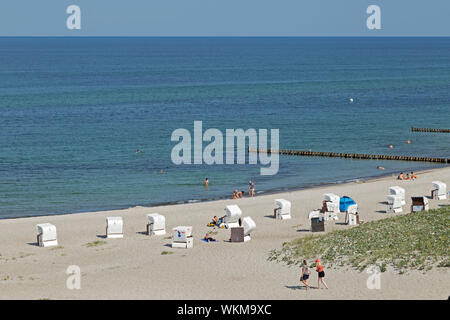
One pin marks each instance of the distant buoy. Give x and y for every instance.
(351, 99)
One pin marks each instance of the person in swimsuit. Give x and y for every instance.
(251, 188)
(209, 238)
(321, 274)
(324, 207)
(413, 176)
(305, 274)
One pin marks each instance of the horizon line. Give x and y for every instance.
(222, 36)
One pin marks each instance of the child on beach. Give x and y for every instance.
(305, 274)
(321, 274)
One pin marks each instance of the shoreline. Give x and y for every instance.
(147, 267)
(258, 193)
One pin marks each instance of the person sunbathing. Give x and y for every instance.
(209, 238)
(235, 195)
(413, 176)
(401, 176)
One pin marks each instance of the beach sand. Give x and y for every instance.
(134, 268)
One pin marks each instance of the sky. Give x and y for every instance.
(225, 18)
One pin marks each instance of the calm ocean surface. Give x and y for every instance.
(73, 111)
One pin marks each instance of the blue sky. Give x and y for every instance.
(225, 18)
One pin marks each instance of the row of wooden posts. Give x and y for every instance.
(349, 155)
(430, 130)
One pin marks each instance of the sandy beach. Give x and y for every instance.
(134, 268)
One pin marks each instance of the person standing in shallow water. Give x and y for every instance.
(321, 274)
(206, 182)
(251, 188)
(305, 274)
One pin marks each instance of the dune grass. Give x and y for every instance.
(95, 243)
(411, 241)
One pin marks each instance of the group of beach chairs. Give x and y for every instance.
(396, 198)
(241, 228)
(156, 225)
(333, 204)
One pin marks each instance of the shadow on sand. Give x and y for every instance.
(300, 287)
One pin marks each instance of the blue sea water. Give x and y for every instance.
(73, 111)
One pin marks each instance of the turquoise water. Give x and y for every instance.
(73, 111)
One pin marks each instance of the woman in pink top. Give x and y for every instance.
(321, 274)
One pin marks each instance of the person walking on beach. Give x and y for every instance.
(321, 274)
(305, 274)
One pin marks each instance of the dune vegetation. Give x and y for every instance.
(413, 241)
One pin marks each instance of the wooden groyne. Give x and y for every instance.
(429, 130)
(349, 155)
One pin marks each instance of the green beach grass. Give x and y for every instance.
(95, 243)
(413, 241)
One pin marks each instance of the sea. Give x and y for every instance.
(74, 111)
